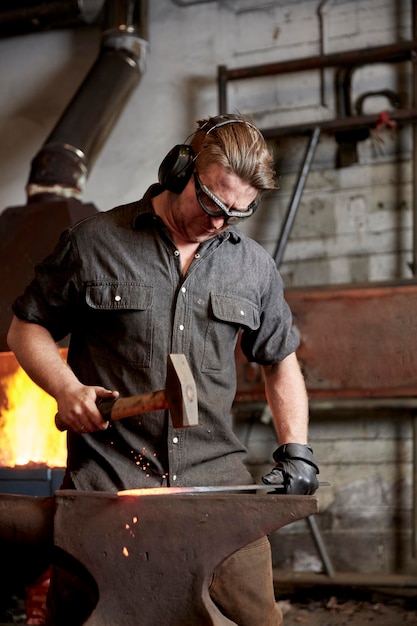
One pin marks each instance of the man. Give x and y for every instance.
(172, 273)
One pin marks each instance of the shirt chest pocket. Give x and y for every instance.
(235, 311)
(119, 296)
(228, 315)
(119, 317)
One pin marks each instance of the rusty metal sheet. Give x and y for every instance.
(356, 341)
(27, 234)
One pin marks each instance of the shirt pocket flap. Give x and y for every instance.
(235, 310)
(119, 296)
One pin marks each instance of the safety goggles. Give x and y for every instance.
(214, 207)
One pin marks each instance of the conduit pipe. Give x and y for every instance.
(61, 167)
(296, 197)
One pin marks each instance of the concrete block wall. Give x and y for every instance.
(366, 513)
(353, 224)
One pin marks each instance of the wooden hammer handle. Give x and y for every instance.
(126, 407)
(133, 405)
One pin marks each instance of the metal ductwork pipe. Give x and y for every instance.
(61, 168)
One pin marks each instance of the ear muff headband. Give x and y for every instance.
(222, 120)
(177, 167)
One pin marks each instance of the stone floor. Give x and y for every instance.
(301, 607)
(342, 610)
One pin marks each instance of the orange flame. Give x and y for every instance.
(27, 427)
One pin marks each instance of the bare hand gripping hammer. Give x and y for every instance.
(179, 396)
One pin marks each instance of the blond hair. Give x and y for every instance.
(238, 146)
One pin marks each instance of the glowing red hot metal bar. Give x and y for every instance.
(209, 489)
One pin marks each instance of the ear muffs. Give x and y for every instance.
(176, 169)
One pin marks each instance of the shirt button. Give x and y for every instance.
(183, 289)
(197, 256)
(177, 253)
(175, 440)
(242, 313)
(181, 326)
(117, 298)
(174, 477)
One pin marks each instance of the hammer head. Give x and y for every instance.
(181, 392)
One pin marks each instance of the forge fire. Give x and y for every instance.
(28, 435)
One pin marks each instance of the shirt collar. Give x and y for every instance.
(145, 211)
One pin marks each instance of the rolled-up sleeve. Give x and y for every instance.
(49, 300)
(276, 336)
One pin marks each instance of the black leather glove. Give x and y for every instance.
(295, 470)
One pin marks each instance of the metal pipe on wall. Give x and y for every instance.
(61, 167)
(295, 200)
(356, 122)
(393, 53)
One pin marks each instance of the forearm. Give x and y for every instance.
(287, 398)
(39, 355)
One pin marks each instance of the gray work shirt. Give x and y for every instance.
(114, 283)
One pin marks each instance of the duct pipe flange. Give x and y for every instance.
(58, 171)
(125, 27)
(129, 41)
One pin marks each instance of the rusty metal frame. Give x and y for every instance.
(395, 53)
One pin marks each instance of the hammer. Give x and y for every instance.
(179, 396)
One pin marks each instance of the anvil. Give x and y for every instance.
(147, 556)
